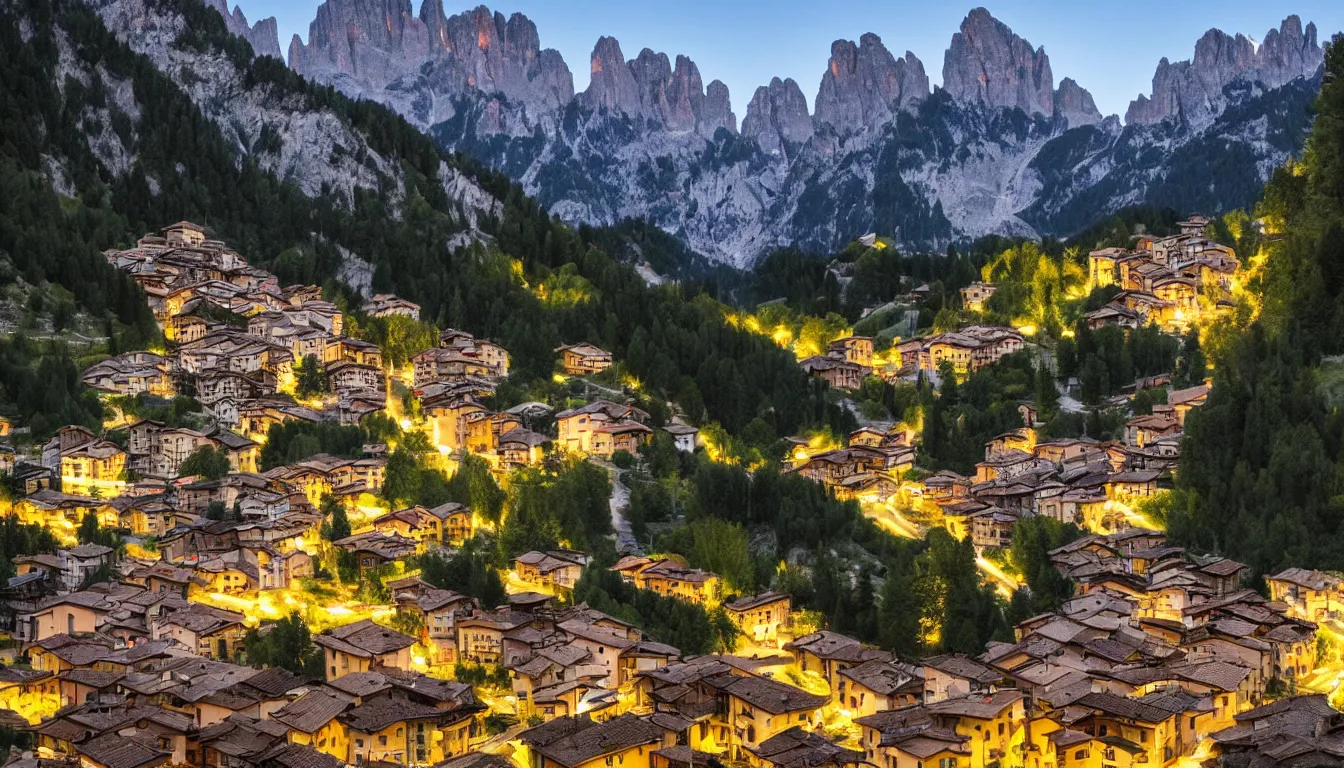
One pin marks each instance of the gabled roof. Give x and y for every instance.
(363, 638)
(373, 716)
(572, 741)
(311, 711)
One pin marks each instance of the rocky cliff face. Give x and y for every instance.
(1075, 104)
(1000, 148)
(419, 64)
(1194, 90)
(777, 118)
(262, 36)
(314, 148)
(863, 83)
(988, 64)
(718, 110)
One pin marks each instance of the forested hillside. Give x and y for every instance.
(129, 151)
(1262, 475)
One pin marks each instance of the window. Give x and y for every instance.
(382, 741)
(359, 743)
(1080, 754)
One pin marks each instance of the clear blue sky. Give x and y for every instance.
(1110, 48)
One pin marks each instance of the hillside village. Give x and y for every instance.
(133, 653)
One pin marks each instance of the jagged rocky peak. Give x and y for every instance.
(373, 43)
(777, 117)
(1193, 90)
(1075, 104)
(612, 85)
(482, 51)
(863, 83)
(718, 111)
(988, 64)
(686, 96)
(671, 97)
(653, 79)
(262, 36)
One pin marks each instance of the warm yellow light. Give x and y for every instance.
(405, 424)
(1027, 330)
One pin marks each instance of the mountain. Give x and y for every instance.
(1000, 147)
(262, 36)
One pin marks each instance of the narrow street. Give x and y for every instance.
(626, 543)
(1067, 403)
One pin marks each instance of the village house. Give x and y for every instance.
(1311, 595)
(345, 376)
(827, 653)
(386, 305)
(952, 676)
(421, 525)
(878, 685)
(375, 549)
(521, 448)
(628, 436)
(577, 427)
(480, 636)
(836, 371)
(976, 295)
(583, 359)
(488, 353)
(760, 617)
(853, 349)
(446, 364)
(909, 738)
(579, 742)
(362, 647)
(670, 579)
(552, 570)
(203, 630)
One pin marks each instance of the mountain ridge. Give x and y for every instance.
(647, 138)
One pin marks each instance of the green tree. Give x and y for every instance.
(719, 547)
(1191, 368)
(337, 526)
(90, 532)
(467, 572)
(473, 484)
(310, 379)
(286, 643)
(205, 462)
(1033, 539)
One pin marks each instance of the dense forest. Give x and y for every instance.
(1262, 475)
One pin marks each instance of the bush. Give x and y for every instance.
(623, 459)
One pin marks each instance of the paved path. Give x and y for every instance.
(620, 502)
